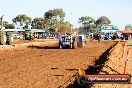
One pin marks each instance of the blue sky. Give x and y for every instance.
(119, 11)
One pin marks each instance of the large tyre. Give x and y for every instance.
(2, 38)
(10, 38)
(71, 45)
(60, 46)
(74, 46)
(7, 38)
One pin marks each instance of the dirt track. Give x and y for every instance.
(45, 68)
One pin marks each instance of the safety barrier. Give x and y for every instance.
(118, 54)
(121, 63)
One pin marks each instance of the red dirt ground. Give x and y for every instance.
(45, 68)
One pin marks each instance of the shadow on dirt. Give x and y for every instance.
(47, 47)
(99, 64)
(42, 47)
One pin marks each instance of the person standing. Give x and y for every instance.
(99, 37)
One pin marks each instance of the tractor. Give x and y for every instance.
(72, 41)
(67, 41)
(6, 37)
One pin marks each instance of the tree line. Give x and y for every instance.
(89, 24)
(128, 27)
(54, 21)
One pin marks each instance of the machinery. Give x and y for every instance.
(2, 38)
(9, 38)
(72, 41)
(6, 37)
(28, 35)
(108, 36)
(112, 35)
(67, 41)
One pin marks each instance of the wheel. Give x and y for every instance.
(71, 45)
(81, 80)
(74, 46)
(10, 42)
(3, 38)
(60, 46)
(9, 38)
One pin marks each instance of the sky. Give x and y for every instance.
(118, 11)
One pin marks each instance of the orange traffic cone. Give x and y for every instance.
(81, 71)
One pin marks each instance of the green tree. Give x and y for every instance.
(128, 27)
(22, 20)
(55, 14)
(39, 23)
(86, 20)
(51, 30)
(103, 20)
(54, 18)
(7, 25)
(65, 27)
(87, 23)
